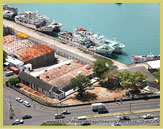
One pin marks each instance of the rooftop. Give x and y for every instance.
(64, 80)
(12, 44)
(34, 51)
(154, 64)
(60, 76)
(9, 39)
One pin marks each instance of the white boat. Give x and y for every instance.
(102, 49)
(74, 39)
(9, 12)
(148, 57)
(100, 39)
(37, 22)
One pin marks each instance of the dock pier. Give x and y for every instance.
(82, 55)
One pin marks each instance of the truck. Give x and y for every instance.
(97, 106)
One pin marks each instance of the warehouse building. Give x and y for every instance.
(37, 55)
(56, 81)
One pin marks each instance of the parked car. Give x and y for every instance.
(148, 116)
(9, 73)
(27, 104)
(19, 100)
(59, 116)
(124, 118)
(85, 123)
(17, 121)
(65, 112)
(26, 117)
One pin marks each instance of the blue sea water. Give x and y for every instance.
(135, 25)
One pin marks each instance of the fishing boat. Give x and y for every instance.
(9, 12)
(97, 39)
(37, 22)
(102, 49)
(74, 39)
(144, 58)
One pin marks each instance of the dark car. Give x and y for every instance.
(85, 123)
(102, 110)
(124, 118)
(59, 116)
(27, 117)
(65, 112)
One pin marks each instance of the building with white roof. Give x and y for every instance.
(153, 64)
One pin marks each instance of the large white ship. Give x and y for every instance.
(73, 39)
(37, 22)
(100, 39)
(9, 12)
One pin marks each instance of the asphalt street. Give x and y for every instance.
(41, 113)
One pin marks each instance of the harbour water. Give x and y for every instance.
(135, 25)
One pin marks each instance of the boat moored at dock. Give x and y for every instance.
(74, 39)
(145, 58)
(37, 22)
(9, 12)
(100, 39)
(105, 50)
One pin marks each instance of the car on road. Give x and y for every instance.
(148, 116)
(85, 123)
(59, 116)
(102, 110)
(17, 121)
(116, 124)
(27, 104)
(124, 118)
(19, 100)
(65, 112)
(21, 121)
(26, 117)
(82, 118)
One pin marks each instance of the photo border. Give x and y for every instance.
(74, 1)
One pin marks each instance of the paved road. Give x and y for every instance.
(41, 113)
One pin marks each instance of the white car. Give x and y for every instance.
(19, 100)
(148, 116)
(17, 121)
(27, 104)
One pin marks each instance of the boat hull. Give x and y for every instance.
(43, 29)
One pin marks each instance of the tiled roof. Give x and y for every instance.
(56, 72)
(33, 52)
(9, 39)
(64, 80)
(61, 76)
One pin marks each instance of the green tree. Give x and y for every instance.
(13, 81)
(112, 74)
(130, 79)
(101, 66)
(156, 74)
(4, 55)
(80, 82)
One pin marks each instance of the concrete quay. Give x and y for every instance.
(66, 50)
